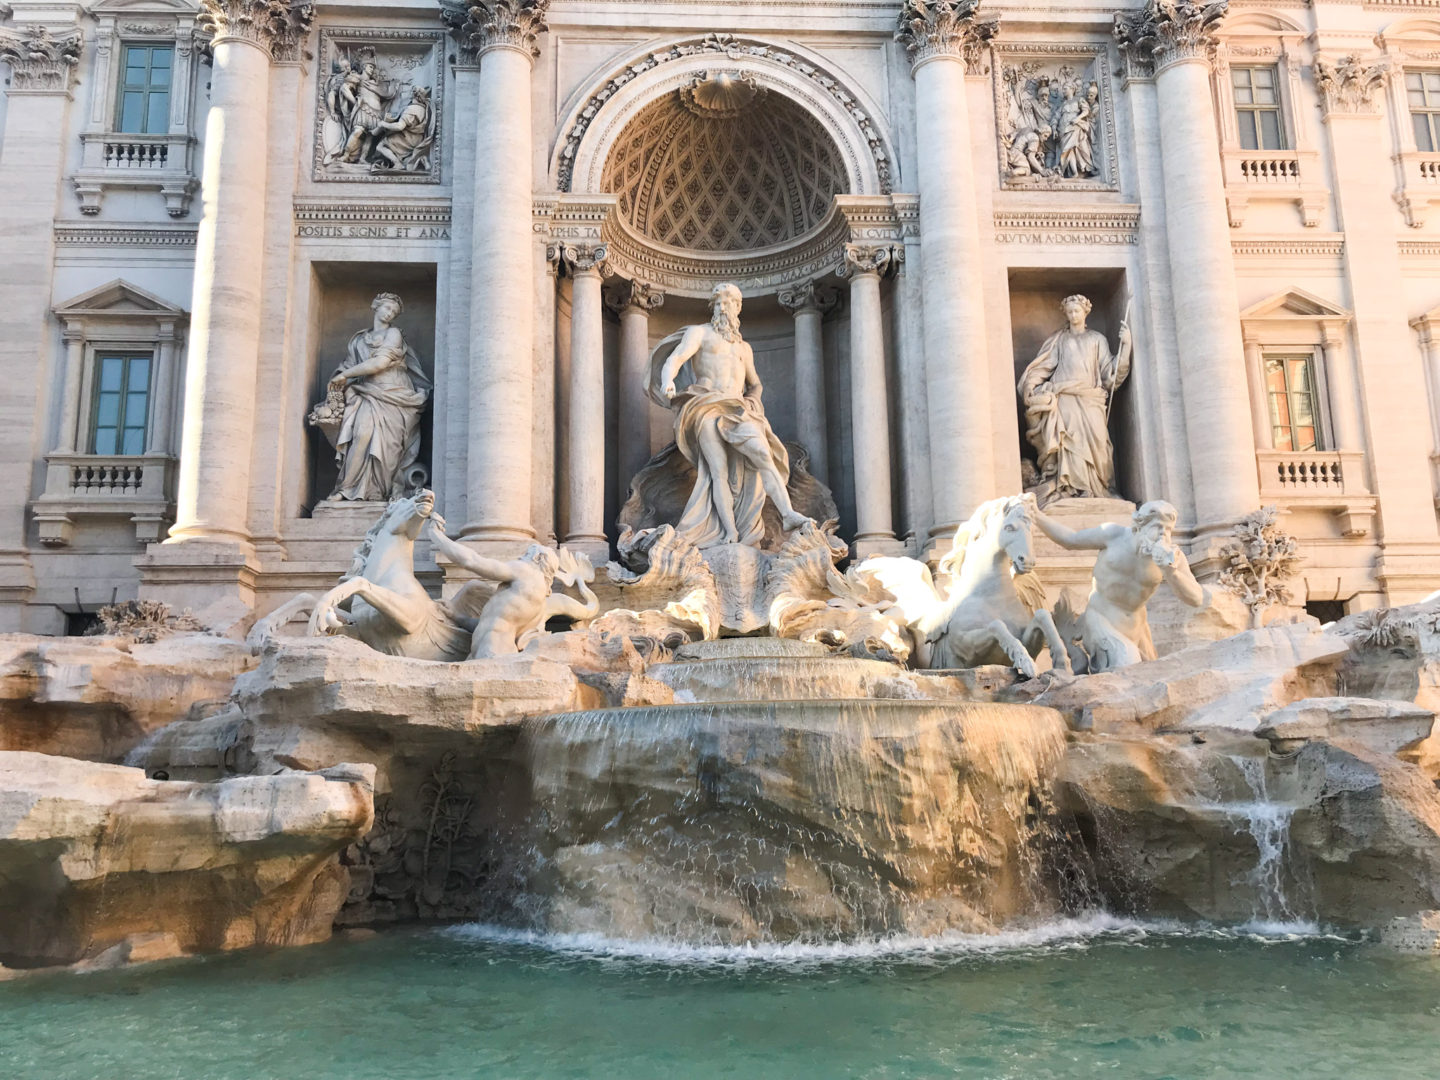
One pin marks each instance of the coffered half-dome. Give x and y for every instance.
(722, 165)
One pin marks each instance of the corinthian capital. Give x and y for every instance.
(38, 60)
(277, 26)
(482, 25)
(860, 259)
(1348, 85)
(633, 294)
(930, 28)
(1166, 32)
(809, 296)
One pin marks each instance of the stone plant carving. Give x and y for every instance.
(992, 609)
(706, 373)
(378, 114)
(372, 408)
(143, 621)
(1067, 391)
(38, 60)
(1259, 562)
(1049, 124)
(1113, 631)
(1348, 85)
(945, 27)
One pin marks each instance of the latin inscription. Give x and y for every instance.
(372, 232)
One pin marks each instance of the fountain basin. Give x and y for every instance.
(788, 820)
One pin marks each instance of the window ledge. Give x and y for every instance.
(1419, 185)
(1331, 480)
(163, 163)
(1273, 175)
(136, 486)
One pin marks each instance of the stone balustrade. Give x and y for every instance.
(111, 161)
(1270, 168)
(139, 486)
(1319, 480)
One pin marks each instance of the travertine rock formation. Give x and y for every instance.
(93, 855)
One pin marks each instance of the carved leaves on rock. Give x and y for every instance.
(1259, 562)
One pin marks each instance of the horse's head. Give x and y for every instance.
(406, 516)
(1015, 519)
(999, 526)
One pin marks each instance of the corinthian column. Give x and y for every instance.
(633, 301)
(808, 303)
(1179, 38)
(212, 500)
(941, 37)
(869, 406)
(585, 468)
(503, 35)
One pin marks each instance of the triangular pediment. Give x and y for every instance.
(1294, 304)
(152, 7)
(119, 298)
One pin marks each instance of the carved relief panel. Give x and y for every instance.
(1054, 117)
(378, 105)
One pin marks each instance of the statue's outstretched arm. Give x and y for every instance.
(460, 555)
(1077, 539)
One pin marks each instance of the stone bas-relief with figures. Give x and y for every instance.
(1053, 122)
(379, 108)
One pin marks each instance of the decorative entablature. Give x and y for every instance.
(1107, 227)
(1294, 174)
(162, 161)
(41, 61)
(1406, 45)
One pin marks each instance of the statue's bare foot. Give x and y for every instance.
(731, 536)
(793, 520)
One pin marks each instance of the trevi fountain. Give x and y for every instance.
(706, 611)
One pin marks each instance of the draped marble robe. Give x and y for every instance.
(379, 439)
(1066, 392)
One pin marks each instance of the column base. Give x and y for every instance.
(595, 548)
(867, 544)
(214, 579)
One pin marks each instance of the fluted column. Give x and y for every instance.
(633, 301)
(869, 407)
(503, 34)
(212, 498)
(585, 468)
(1179, 38)
(809, 303)
(940, 36)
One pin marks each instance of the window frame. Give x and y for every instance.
(148, 90)
(1430, 113)
(1255, 109)
(100, 353)
(1316, 391)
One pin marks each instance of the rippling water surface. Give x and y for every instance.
(1096, 997)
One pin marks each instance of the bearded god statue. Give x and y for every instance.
(706, 373)
(1067, 390)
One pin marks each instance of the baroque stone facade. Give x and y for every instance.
(903, 192)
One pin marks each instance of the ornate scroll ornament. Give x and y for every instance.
(809, 296)
(481, 25)
(866, 259)
(1166, 32)
(38, 60)
(633, 294)
(579, 258)
(1348, 85)
(277, 26)
(929, 28)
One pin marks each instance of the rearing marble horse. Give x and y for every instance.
(992, 611)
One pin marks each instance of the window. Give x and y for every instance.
(1290, 386)
(1422, 90)
(122, 399)
(1257, 108)
(145, 89)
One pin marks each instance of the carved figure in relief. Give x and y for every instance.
(372, 94)
(1113, 631)
(339, 107)
(406, 139)
(1066, 391)
(371, 413)
(707, 374)
(1047, 125)
(523, 602)
(992, 611)
(379, 600)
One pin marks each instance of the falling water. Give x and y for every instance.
(1267, 821)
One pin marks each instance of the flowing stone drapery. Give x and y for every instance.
(633, 301)
(503, 35)
(809, 303)
(869, 405)
(941, 36)
(212, 499)
(585, 467)
(1179, 38)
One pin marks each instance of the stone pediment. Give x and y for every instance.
(119, 299)
(1295, 304)
(150, 7)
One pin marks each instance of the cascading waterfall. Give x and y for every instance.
(1267, 821)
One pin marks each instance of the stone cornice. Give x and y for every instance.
(1167, 32)
(40, 63)
(169, 236)
(482, 25)
(1348, 85)
(278, 27)
(930, 29)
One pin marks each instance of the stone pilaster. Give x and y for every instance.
(633, 301)
(1177, 39)
(863, 266)
(585, 469)
(32, 155)
(503, 35)
(941, 39)
(809, 303)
